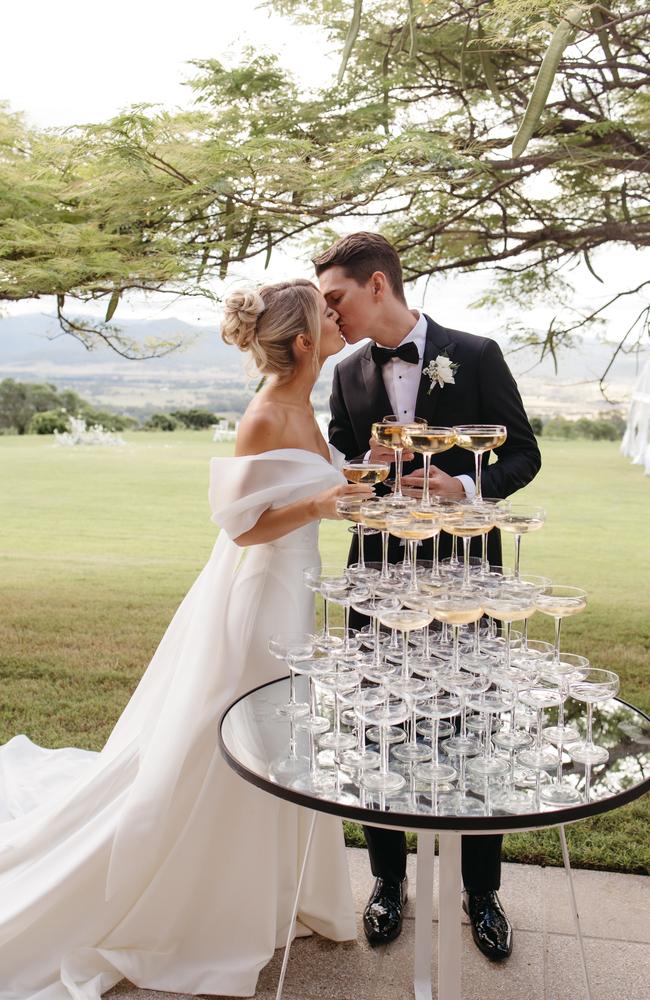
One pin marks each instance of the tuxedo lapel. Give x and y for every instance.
(376, 403)
(438, 342)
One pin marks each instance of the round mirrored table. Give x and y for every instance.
(257, 743)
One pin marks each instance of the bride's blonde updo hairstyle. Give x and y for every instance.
(265, 323)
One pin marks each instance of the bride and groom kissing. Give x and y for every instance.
(153, 861)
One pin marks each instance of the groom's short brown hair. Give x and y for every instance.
(360, 255)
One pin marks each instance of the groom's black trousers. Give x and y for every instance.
(481, 856)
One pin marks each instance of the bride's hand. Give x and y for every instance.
(326, 502)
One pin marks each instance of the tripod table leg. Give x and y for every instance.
(294, 914)
(574, 908)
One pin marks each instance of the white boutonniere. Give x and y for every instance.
(441, 371)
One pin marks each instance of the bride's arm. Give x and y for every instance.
(263, 432)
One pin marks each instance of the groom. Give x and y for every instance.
(361, 278)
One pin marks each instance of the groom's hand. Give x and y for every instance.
(378, 453)
(440, 484)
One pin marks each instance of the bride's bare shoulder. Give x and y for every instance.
(261, 428)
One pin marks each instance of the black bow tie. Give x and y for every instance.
(406, 352)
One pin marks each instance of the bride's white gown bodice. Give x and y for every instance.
(152, 860)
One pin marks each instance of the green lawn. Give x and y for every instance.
(99, 545)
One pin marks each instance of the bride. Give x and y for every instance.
(151, 860)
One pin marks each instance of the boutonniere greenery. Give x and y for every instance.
(441, 371)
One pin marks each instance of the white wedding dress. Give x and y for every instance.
(152, 860)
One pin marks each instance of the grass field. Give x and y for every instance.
(99, 545)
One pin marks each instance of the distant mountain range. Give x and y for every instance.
(206, 372)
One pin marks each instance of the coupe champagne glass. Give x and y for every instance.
(427, 441)
(518, 520)
(412, 530)
(291, 646)
(488, 504)
(405, 621)
(312, 577)
(343, 680)
(391, 712)
(540, 757)
(570, 667)
(560, 602)
(594, 687)
(508, 606)
(360, 757)
(374, 514)
(513, 679)
(463, 685)
(456, 610)
(410, 690)
(480, 438)
(359, 471)
(488, 704)
(389, 432)
(350, 508)
(469, 522)
(435, 709)
(340, 590)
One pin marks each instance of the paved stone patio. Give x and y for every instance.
(545, 964)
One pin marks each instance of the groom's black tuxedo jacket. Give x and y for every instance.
(484, 392)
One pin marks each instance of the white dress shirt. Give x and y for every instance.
(402, 381)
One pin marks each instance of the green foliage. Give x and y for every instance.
(28, 407)
(48, 421)
(609, 428)
(195, 419)
(537, 425)
(161, 422)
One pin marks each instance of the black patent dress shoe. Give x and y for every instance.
(491, 929)
(382, 917)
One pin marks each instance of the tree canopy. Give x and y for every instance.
(415, 139)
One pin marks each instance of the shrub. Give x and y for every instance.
(161, 422)
(48, 422)
(194, 419)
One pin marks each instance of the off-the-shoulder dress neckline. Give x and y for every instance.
(277, 451)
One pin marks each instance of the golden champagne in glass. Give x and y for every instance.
(480, 438)
(428, 441)
(389, 432)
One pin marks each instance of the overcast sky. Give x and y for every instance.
(70, 62)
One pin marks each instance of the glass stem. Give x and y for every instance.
(485, 566)
(312, 753)
(488, 736)
(413, 545)
(558, 628)
(455, 661)
(466, 542)
(517, 555)
(590, 719)
(434, 741)
(435, 566)
(540, 723)
(383, 749)
(398, 472)
(454, 551)
(477, 637)
(463, 717)
(362, 558)
(292, 737)
(426, 459)
(478, 461)
(337, 714)
(507, 628)
(384, 555)
(326, 617)
(405, 655)
(292, 685)
(346, 627)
